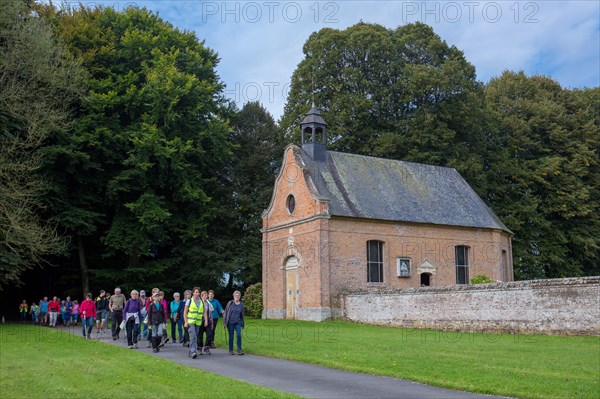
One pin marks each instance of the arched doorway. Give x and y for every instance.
(291, 284)
(425, 279)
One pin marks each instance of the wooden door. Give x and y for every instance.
(291, 285)
(291, 277)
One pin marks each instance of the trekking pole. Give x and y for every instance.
(85, 329)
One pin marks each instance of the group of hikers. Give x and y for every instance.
(48, 313)
(195, 317)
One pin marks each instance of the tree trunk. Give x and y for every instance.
(134, 258)
(229, 287)
(85, 279)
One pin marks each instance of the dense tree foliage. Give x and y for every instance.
(258, 154)
(526, 145)
(37, 80)
(158, 181)
(394, 93)
(543, 173)
(135, 182)
(233, 247)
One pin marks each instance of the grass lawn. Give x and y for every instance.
(38, 362)
(524, 366)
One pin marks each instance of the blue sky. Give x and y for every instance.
(260, 42)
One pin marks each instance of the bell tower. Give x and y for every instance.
(314, 139)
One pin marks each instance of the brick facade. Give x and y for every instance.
(326, 255)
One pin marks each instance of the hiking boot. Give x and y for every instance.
(166, 340)
(130, 347)
(240, 353)
(194, 355)
(231, 352)
(207, 350)
(161, 344)
(135, 346)
(212, 346)
(155, 350)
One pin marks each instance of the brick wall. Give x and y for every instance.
(557, 306)
(302, 234)
(331, 250)
(417, 242)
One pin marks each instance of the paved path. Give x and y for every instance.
(300, 378)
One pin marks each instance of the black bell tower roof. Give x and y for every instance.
(314, 139)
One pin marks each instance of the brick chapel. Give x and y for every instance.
(341, 223)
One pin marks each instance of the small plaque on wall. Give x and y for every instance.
(403, 267)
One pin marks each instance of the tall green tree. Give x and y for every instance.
(542, 171)
(233, 245)
(38, 79)
(396, 93)
(258, 152)
(234, 242)
(149, 144)
(526, 145)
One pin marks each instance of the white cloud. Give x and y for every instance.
(261, 49)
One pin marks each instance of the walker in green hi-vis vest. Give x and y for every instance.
(195, 312)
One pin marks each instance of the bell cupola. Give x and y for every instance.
(314, 139)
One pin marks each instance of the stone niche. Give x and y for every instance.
(427, 267)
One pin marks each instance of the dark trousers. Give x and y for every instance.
(87, 322)
(179, 324)
(237, 327)
(201, 331)
(211, 339)
(117, 318)
(186, 336)
(132, 332)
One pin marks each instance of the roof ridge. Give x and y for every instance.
(391, 159)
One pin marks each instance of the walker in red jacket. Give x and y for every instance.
(87, 309)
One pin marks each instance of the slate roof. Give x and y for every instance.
(313, 116)
(386, 189)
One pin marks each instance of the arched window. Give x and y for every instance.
(309, 135)
(462, 264)
(374, 261)
(505, 270)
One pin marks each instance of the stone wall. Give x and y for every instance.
(568, 306)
